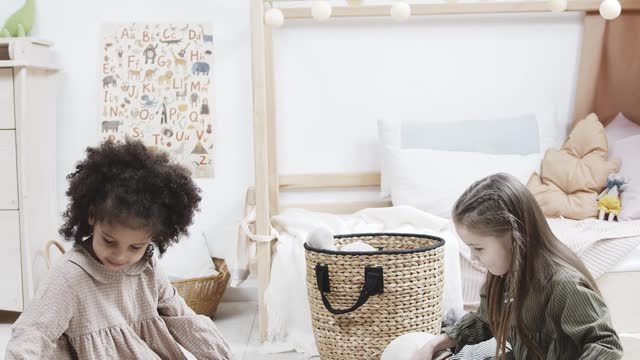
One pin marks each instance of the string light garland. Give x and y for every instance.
(400, 10)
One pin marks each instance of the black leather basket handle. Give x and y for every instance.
(373, 284)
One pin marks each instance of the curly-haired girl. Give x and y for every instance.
(109, 299)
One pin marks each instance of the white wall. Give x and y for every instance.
(73, 25)
(337, 82)
(333, 82)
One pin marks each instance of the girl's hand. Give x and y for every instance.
(433, 346)
(424, 353)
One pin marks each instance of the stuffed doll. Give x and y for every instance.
(609, 198)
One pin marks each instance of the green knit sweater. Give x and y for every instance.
(566, 319)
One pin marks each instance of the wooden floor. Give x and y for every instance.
(238, 322)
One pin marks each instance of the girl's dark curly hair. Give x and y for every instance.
(130, 185)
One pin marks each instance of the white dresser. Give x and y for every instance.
(28, 211)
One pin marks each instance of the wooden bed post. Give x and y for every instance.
(261, 155)
(274, 182)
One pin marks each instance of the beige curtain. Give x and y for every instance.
(609, 73)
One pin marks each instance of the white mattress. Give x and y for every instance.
(621, 291)
(630, 262)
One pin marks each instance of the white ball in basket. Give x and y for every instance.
(358, 246)
(404, 346)
(321, 238)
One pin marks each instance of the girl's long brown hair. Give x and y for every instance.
(500, 205)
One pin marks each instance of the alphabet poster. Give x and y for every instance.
(156, 86)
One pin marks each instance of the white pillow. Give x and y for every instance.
(389, 136)
(432, 180)
(189, 258)
(509, 135)
(551, 134)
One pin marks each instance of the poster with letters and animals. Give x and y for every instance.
(155, 85)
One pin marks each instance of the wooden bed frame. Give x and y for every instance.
(268, 182)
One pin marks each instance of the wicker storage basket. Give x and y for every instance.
(361, 301)
(202, 295)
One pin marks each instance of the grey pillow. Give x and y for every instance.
(509, 135)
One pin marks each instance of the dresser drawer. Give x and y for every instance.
(10, 263)
(7, 114)
(8, 171)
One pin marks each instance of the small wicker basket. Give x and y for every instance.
(202, 294)
(361, 301)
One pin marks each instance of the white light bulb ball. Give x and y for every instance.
(558, 5)
(610, 9)
(400, 11)
(274, 17)
(320, 10)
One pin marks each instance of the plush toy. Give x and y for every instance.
(609, 198)
(405, 346)
(19, 24)
(321, 238)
